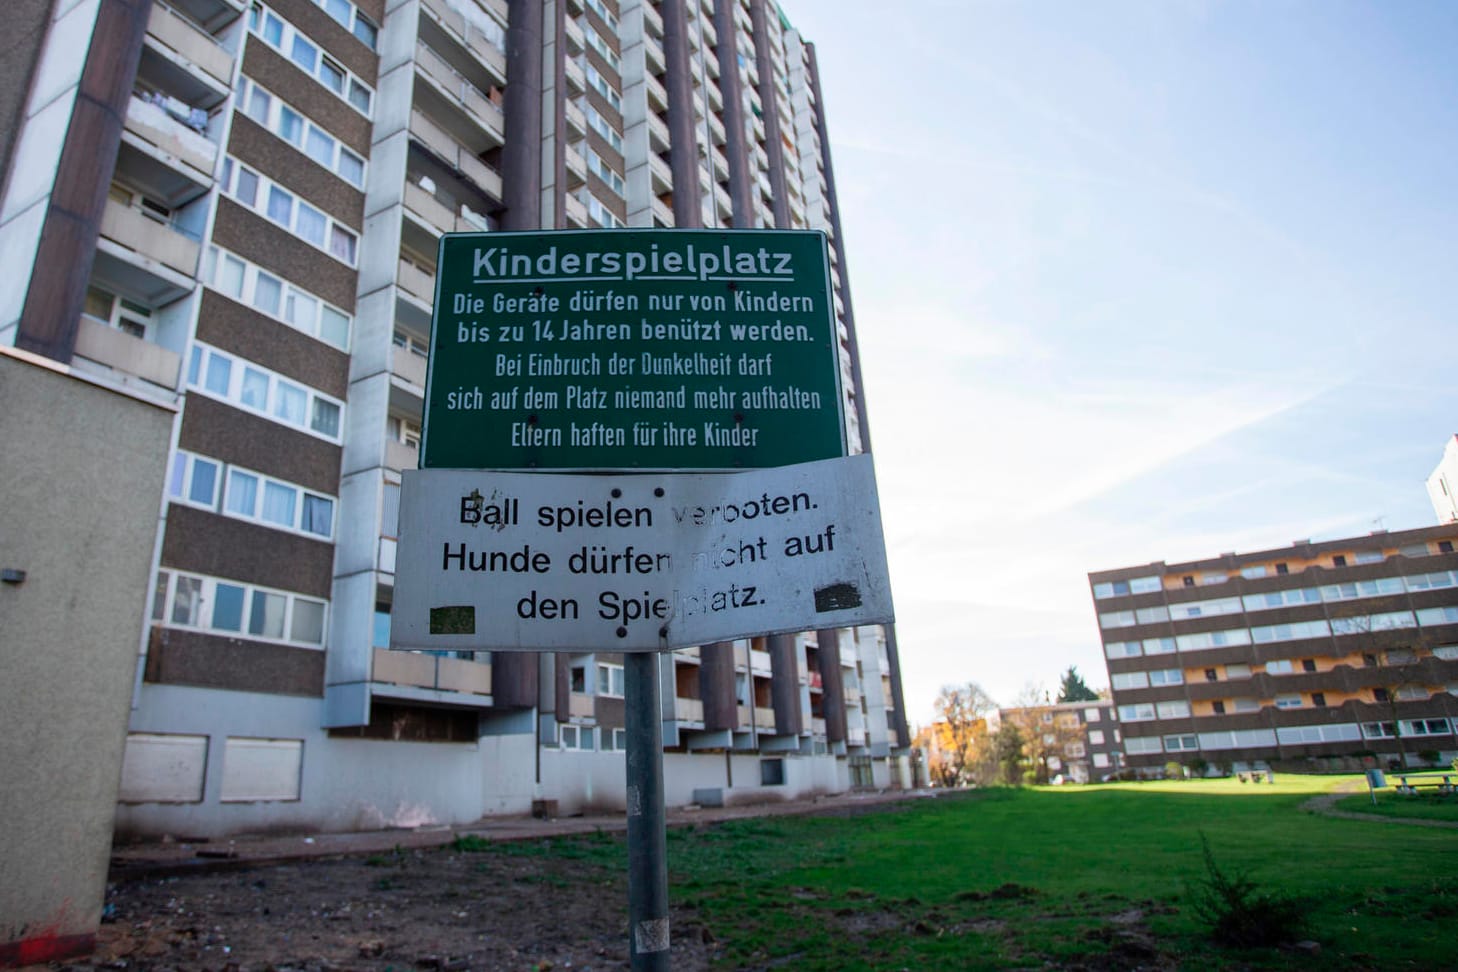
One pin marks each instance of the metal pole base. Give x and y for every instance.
(647, 838)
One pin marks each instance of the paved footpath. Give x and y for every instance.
(167, 857)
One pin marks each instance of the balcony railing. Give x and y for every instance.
(581, 705)
(468, 36)
(149, 238)
(409, 366)
(154, 125)
(764, 718)
(191, 43)
(399, 456)
(576, 211)
(443, 144)
(688, 710)
(99, 342)
(436, 672)
(458, 89)
(416, 282)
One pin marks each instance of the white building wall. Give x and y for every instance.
(1443, 484)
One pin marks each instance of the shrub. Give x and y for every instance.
(1239, 913)
(1430, 756)
(1173, 771)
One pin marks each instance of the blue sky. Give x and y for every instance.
(1136, 281)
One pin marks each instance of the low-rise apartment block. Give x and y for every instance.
(1317, 656)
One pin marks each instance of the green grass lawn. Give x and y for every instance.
(1097, 877)
(1425, 804)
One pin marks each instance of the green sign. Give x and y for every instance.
(633, 349)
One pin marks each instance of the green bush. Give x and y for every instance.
(1239, 913)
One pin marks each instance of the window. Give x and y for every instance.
(1123, 649)
(285, 302)
(264, 393)
(1173, 710)
(1369, 556)
(605, 172)
(1308, 664)
(578, 738)
(1213, 639)
(602, 86)
(1116, 619)
(289, 41)
(231, 607)
(1096, 737)
(1140, 745)
(1130, 680)
(599, 124)
(1445, 546)
(1428, 617)
(261, 770)
(1291, 701)
(1251, 573)
(272, 502)
(1295, 631)
(194, 480)
(1211, 675)
(1144, 585)
(578, 679)
(1280, 667)
(290, 125)
(1217, 707)
(1318, 699)
(1159, 646)
(772, 772)
(303, 220)
(610, 680)
(1247, 705)
(1136, 713)
(595, 41)
(1369, 660)
(1091, 715)
(1180, 744)
(1150, 615)
(600, 214)
(1167, 676)
(597, 7)
(1282, 569)
(1380, 695)
(1339, 560)
(1205, 609)
(613, 740)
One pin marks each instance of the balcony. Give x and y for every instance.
(576, 77)
(662, 213)
(576, 211)
(161, 135)
(576, 120)
(817, 727)
(416, 282)
(454, 154)
(855, 737)
(661, 174)
(102, 344)
(658, 138)
(653, 20)
(764, 718)
(576, 42)
(425, 677)
(409, 366)
(657, 93)
(580, 705)
(576, 168)
(688, 710)
(463, 34)
(759, 661)
(189, 60)
(400, 456)
(468, 102)
(653, 53)
(153, 247)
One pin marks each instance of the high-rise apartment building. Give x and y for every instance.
(1317, 655)
(1443, 483)
(238, 202)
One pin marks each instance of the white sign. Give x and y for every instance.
(561, 562)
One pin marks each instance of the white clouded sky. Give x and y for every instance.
(1135, 281)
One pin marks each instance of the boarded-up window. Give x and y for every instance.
(261, 769)
(161, 768)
